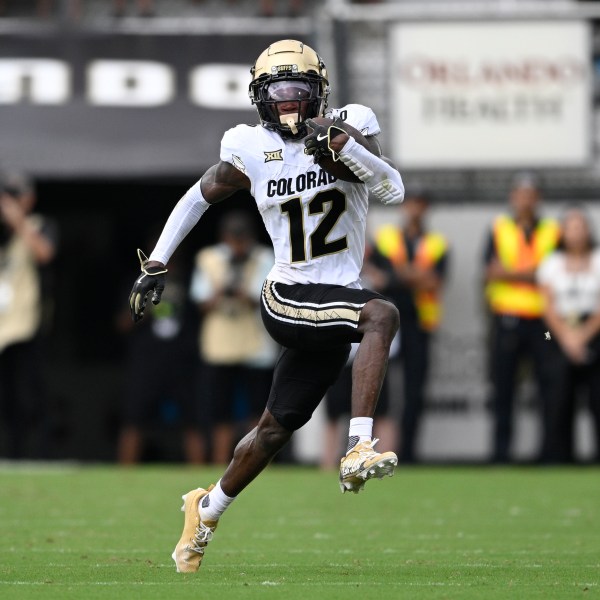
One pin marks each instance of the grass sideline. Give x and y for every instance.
(107, 532)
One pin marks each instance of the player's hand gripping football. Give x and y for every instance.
(318, 143)
(152, 280)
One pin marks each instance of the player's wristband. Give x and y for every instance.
(144, 268)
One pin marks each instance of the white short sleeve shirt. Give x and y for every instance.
(575, 293)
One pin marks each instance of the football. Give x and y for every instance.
(337, 168)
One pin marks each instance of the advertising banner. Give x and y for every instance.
(487, 95)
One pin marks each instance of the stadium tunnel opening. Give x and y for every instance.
(101, 223)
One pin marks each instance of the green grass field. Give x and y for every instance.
(105, 532)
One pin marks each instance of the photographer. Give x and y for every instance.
(237, 354)
(27, 243)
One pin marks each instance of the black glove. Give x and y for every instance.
(318, 142)
(152, 280)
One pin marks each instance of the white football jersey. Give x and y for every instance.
(317, 223)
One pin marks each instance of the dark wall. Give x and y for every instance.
(101, 224)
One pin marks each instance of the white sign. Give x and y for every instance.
(491, 95)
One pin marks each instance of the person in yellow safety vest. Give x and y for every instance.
(516, 245)
(420, 260)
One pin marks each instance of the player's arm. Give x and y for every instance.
(218, 183)
(221, 181)
(379, 174)
(362, 156)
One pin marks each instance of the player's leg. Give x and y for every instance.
(385, 426)
(257, 381)
(314, 316)
(300, 381)
(204, 507)
(378, 324)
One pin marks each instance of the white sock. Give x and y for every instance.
(361, 430)
(213, 505)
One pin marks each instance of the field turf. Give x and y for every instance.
(104, 532)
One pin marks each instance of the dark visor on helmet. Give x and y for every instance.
(288, 91)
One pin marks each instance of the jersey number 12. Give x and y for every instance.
(331, 204)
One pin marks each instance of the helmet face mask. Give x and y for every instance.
(283, 99)
(289, 85)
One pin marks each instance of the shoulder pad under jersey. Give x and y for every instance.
(359, 116)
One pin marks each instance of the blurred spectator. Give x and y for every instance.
(238, 354)
(145, 8)
(570, 280)
(27, 243)
(376, 275)
(75, 8)
(202, 1)
(516, 245)
(295, 8)
(161, 363)
(420, 259)
(43, 8)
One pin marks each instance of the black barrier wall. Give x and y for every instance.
(86, 104)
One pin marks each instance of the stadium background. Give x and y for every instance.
(109, 167)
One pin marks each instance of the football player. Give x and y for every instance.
(312, 302)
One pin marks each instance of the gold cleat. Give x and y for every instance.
(189, 552)
(362, 463)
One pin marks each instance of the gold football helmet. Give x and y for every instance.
(289, 73)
